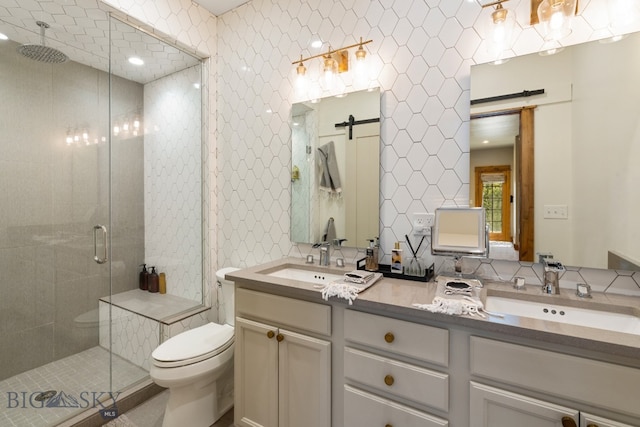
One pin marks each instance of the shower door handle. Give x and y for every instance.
(96, 229)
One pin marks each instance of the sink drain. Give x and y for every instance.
(45, 395)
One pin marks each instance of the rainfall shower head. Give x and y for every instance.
(40, 52)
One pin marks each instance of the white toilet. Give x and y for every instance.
(197, 368)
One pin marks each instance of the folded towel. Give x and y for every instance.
(358, 276)
(347, 290)
(330, 177)
(455, 297)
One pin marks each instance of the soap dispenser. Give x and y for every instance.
(143, 280)
(154, 282)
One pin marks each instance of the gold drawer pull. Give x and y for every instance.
(279, 337)
(271, 334)
(389, 425)
(568, 422)
(592, 425)
(388, 380)
(388, 337)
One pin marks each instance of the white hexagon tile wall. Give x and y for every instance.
(423, 51)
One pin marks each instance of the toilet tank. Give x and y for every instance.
(226, 294)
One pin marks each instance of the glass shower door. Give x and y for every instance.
(54, 168)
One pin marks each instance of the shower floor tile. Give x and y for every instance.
(77, 379)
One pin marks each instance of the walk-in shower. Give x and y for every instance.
(88, 143)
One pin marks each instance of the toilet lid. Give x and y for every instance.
(209, 340)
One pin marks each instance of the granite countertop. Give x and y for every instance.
(396, 297)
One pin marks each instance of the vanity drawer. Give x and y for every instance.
(364, 409)
(283, 311)
(420, 342)
(407, 381)
(588, 381)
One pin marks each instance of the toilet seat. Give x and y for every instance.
(193, 346)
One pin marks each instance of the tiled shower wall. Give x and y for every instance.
(194, 29)
(422, 51)
(172, 176)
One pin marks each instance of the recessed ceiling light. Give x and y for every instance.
(486, 141)
(136, 61)
(3, 37)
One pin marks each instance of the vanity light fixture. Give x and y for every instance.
(335, 61)
(555, 16)
(499, 29)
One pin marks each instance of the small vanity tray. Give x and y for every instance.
(385, 269)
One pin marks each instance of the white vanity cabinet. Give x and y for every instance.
(282, 377)
(589, 383)
(386, 381)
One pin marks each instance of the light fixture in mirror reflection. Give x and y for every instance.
(335, 155)
(586, 152)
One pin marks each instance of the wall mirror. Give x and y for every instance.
(335, 169)
(584, 133)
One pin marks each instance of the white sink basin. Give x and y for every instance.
(302, 275)
(625, 323)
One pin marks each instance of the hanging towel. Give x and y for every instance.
(329, 177)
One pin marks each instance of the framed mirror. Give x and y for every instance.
(585, 149)
(335, 169)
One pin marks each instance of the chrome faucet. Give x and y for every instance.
(325, 253)
(551, 283)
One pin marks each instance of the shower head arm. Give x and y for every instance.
(43, 26)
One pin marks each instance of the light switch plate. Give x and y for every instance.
(556, 212)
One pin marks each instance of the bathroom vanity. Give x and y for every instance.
(300, 360)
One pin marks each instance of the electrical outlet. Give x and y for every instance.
(422, 223)
(556, 212)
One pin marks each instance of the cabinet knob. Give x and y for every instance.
(592, 425)
(279, 337)
(388, 337)
(271, 334)
(568, 422)
(388, 425)
(388, 380)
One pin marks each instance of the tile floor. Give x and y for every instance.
(151, 413)
(75, 378)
